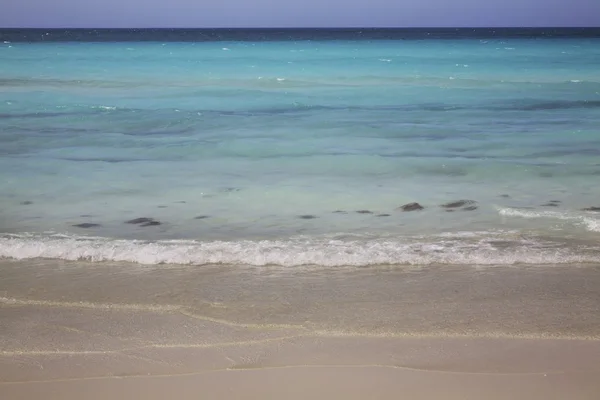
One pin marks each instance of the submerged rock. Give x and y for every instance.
(202, 217)
(459, 204)
(594, 209)
(162, 206)
(550, 204)
(151, 223)
(411, 207)
(142, 220)
(307, 216)
(383, 215)
(462, 205)
(364, 212)
(26, 203)
(506, 196)
(340, 212)
(86, 225)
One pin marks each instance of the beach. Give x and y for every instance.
(72, 330)
(300, 213)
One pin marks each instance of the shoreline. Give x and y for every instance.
(521, 300)
(102, 330)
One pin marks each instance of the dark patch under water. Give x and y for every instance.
(87, 225)
(141, 220)
(411, 207)
(458, 203)
(551, 203)
(307, 216)
(151, 223)
(556, 105)
(44, 114)
(515, 105)
(583, 149)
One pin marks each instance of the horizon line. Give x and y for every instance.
(304, 27)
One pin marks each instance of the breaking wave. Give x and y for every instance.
(474, 249)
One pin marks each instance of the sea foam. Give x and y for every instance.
(477, 250)
(588, 222)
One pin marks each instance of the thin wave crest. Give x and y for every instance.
(472, 249)
(590, 223)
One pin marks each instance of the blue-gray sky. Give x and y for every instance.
(297, 13)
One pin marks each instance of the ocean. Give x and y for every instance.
(297, 148)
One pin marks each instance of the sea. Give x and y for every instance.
(299, 147)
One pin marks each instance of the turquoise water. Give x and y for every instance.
(265, 140)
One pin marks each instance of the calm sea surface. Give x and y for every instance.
(297, 147)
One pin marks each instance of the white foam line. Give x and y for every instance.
(590, 223)
(470, 250)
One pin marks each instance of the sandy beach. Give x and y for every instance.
(299, 213)
(100, 331)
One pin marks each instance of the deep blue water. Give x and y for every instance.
(288, 34)
(243, 144)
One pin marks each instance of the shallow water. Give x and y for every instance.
(380, 301)
(264, 140)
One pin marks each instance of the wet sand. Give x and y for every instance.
(103, 331)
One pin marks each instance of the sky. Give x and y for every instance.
(297, 13)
